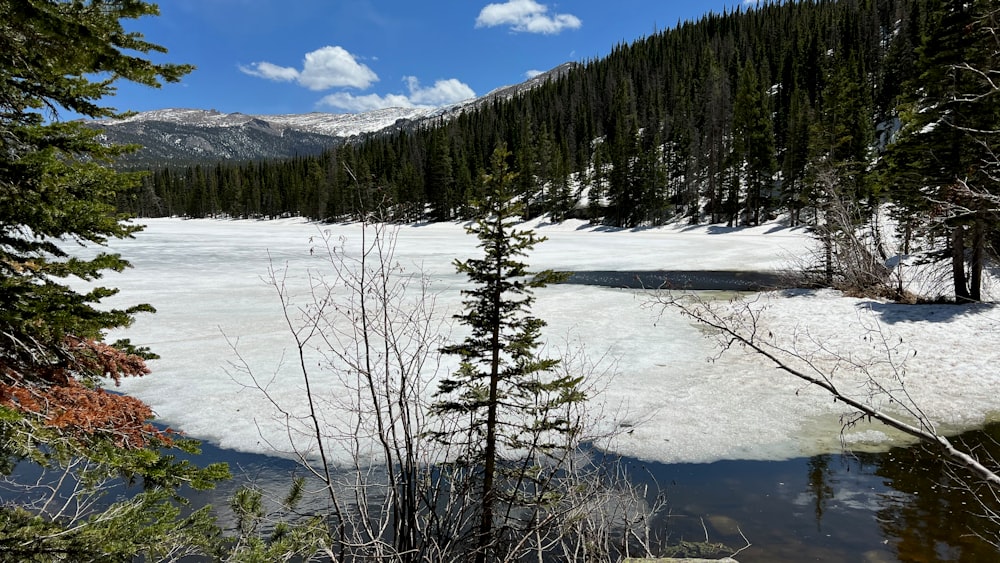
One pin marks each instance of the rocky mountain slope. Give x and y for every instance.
(185, 136)
(188, 136)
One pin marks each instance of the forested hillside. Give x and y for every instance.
(732, 119)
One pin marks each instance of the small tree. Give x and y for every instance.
(511, 407)
(853, 253)
(373, 326)
(369, 434)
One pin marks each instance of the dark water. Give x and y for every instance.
(903, 505)
(689, 280)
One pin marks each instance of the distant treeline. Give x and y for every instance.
(727, 119)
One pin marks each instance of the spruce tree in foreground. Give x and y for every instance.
(512, 404)
(57, 193)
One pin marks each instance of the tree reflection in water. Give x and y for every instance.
(938, 515)
(903, 505)
(819, 485)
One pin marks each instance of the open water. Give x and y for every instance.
(903, 505)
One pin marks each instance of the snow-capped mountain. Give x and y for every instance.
(186, 136)
(504, 92)
(331, 124)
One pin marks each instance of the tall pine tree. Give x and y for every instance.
(753, 140)
(508, 399)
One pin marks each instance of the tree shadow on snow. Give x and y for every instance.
(893, 313)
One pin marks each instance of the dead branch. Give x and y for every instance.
(743, 328)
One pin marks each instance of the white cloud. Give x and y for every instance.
(527, 16)
(331, 67)
(356, 104)
(272, 72)
(443, 92)
(334, 67)
(322, 69)
(533, 73)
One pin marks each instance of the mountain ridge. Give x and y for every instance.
(320, 123)
(184, 136)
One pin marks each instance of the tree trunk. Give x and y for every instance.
(958, 265)
(976, 265)
(490, 454)
(828, 247)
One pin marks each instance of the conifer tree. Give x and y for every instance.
(56, 192)
(505, 394)
(939, 166)
(715, 142)
(843, 134)
(753, 139)
(794, 192)
(623, 146)
(440, 178)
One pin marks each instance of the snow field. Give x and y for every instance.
(664, 389)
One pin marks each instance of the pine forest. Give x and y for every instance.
(731, 119)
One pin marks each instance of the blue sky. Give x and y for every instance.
(345, 56)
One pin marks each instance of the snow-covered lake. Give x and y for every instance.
(205, 278)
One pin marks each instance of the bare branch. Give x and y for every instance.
(743, 327)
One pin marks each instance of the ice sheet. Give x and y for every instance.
(671, 398)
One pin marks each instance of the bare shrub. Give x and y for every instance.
(367, 341)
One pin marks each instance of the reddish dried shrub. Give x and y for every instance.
(57, 397)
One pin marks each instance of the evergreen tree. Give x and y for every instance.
(562, 200)
(939, 166)
(505, 395)
(715, 146)
(56, 191)
(843, 133)
(440, 178)
(650, 180)
(624, 198)
(753, 138)
(794, 190)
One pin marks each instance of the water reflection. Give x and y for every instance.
(815, 509)
(819, 485)
(904, 505)
(938, 515)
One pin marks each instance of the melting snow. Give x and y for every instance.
(673, 398)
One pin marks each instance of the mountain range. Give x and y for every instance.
(183, 137)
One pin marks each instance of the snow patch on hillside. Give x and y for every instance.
(334, 124)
